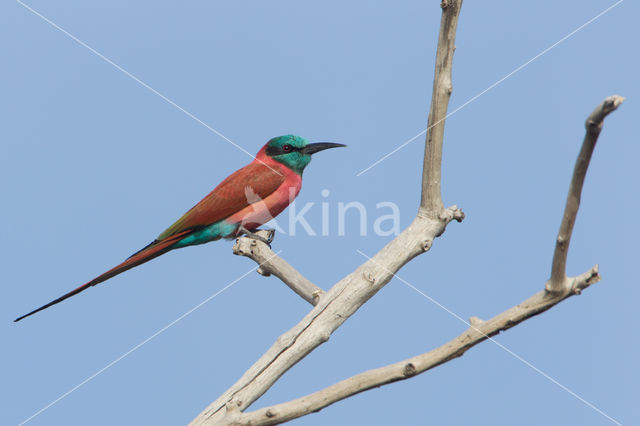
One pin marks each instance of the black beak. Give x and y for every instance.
(312, 148)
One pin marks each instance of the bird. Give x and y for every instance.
(245, 200)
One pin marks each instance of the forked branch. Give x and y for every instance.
(332, 308)
(350, 293)
(478, 330)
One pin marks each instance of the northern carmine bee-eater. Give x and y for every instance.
(241, 203)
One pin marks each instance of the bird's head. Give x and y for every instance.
(293, 151)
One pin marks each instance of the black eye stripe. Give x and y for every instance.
(284, 149)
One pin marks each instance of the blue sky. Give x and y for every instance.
(94, 166)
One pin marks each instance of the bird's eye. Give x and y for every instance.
(286, 148)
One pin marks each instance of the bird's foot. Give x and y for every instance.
(255, 236)
(271, 232)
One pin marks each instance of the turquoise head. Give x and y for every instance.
(295, 152)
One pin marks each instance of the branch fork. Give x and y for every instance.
(332, 308)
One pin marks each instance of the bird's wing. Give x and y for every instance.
(246, 186)
(251, 183)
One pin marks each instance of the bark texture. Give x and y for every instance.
(334, 307)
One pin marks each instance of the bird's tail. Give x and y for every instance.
(151, 251)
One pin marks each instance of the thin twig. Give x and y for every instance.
(559, 281)
(270, 264)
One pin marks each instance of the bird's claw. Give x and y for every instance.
(255, 236)
(272, 234)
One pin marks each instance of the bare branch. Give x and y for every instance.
(333, 308)
(442, 87)
(477, 332)
(559, 281)
(271, 264)
(350, 293)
